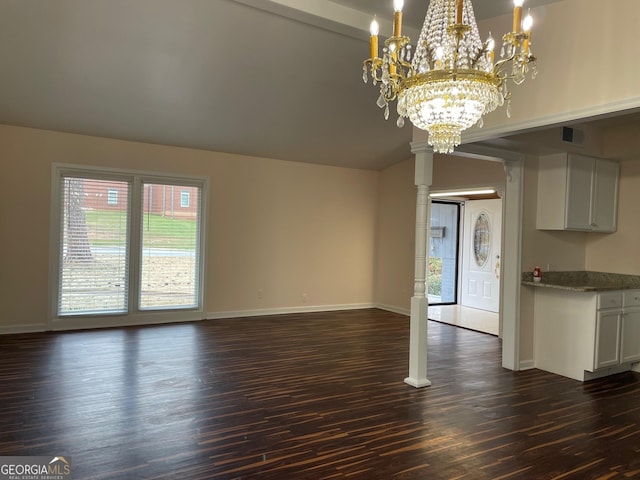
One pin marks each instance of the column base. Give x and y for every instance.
(417, 383)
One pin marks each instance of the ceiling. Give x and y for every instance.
(414, 11)
(253, 77)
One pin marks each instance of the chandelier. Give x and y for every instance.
(451, 79)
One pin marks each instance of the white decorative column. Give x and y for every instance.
(512, 249)
(419, 302)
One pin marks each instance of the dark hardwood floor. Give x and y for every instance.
(313, 396)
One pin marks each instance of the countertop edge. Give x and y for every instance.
(572, 288)
(583, 281)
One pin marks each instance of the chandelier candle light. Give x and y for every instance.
(452, 78)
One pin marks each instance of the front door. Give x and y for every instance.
(481, 254)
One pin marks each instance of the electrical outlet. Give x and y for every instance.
(305, 297)
(260, 294)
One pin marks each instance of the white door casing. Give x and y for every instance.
(481, 254)
(510, 309)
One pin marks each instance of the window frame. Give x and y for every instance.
(134, 314)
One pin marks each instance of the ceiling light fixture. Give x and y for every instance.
(451, 79)
(461, 193)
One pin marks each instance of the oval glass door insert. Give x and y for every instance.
(481, 239)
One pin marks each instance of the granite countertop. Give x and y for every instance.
(583, 281)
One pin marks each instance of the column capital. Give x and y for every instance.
(424, 163)
(421, 147)
(510, 165)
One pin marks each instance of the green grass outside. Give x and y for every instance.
(157, 231)
(435, 277)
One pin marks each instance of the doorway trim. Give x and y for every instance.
(512, 241)
(456, 274)
(511, 246)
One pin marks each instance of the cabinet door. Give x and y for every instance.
(607, 339)
(579, 187)
(605, 196)
(630, 337)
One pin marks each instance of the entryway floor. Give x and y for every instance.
(472, 318)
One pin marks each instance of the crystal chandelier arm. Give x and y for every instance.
(497, 68)
(513, 41)
(390, 71)
(483, 51)
(396, 43)
(522, 59)
(406, 66)
(389, 93)
(376, 68)
(373, 65)
(431, 57)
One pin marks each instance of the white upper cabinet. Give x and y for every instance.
(576, 192)
(605, 204)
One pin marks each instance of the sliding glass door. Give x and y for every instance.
(443, 253)
(128, 243)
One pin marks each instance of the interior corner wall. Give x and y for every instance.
(615, 252)
(395, 237)
(548, 249)
(286, 228)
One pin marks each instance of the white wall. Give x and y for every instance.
(285, 228)
(616, 252)
(395, 237)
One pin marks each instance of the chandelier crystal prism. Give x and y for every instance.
(451, 79)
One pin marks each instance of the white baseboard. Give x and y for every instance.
(286, 310)
(31, 328)
(393, 309)
(158, 319)
(76, 323)
(636, 367)
(625, 367)
(90, 322)
(527, 364)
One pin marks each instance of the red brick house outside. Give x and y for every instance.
(173, 201)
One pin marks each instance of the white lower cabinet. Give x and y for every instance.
(608, 325)
(617, 329)
(630, 336)
(585, 335)
(607, 352)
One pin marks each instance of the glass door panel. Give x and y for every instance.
(443, 253)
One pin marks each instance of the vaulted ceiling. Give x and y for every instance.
(270, 78)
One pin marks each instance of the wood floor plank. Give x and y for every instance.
(309, 396)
